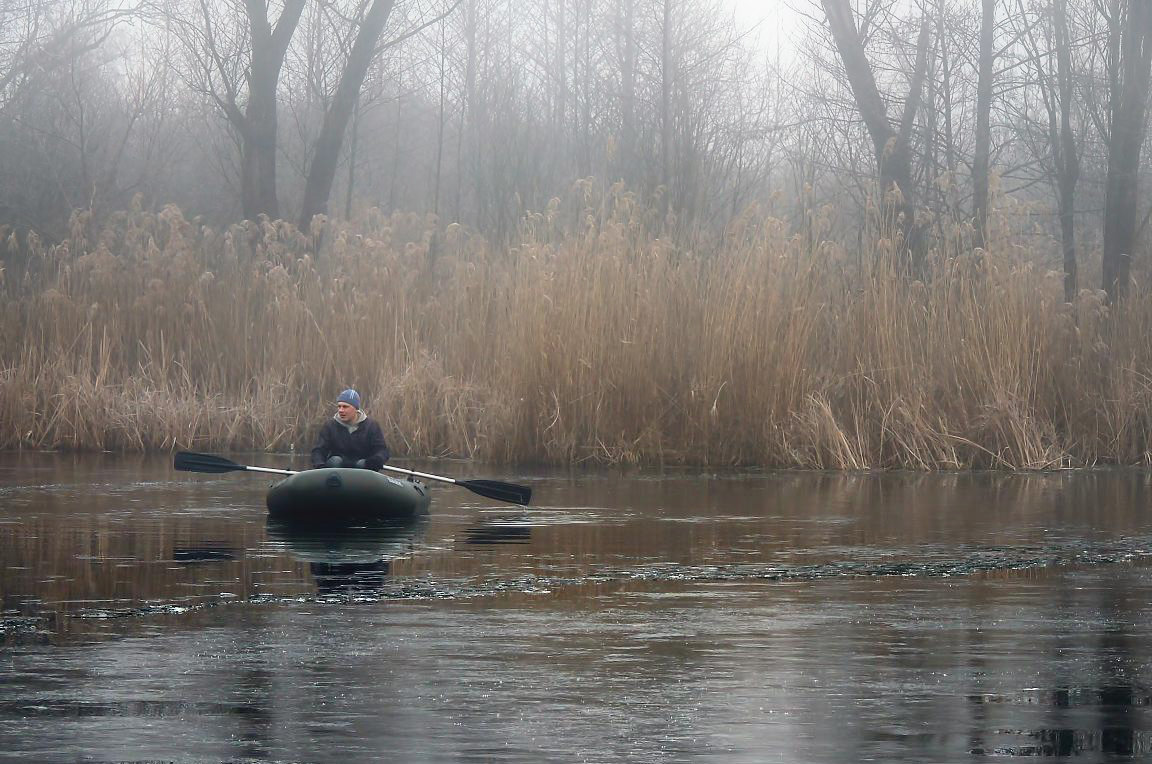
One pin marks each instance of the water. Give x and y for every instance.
(150, 615)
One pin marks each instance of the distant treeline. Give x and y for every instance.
(592, 340)
(922, 113)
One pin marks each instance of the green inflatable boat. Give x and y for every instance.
(340, 494)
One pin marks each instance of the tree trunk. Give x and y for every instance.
(350, 188)
(666, 105)
(893, 156)
(1065, 153)
(1129, 104)
(627, 150)
(931, 138)
(560, 120)
(322, 170)
(258, 129)
(440, 122)
(946, 74)
(982, 149)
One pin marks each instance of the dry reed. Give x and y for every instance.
(592, 340)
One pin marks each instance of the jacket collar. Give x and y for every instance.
(360, 417)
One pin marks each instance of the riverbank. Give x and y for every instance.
(607, 344)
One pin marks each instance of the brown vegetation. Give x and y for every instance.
(591, 340)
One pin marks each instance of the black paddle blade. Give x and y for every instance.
(189, 461)
(494, 489)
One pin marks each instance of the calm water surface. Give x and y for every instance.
(151, 615)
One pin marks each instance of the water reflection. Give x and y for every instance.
(513, 530)
(1111, 722)
(625, 617)
(204, 551)
(85, 537)
(347, 558)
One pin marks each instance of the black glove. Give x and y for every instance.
(372, 463)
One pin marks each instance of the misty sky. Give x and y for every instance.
(774, 20)
(754, 10)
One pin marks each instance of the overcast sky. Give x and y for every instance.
(774, 20)
(754, 10)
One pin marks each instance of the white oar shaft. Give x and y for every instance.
(424, 475)
(270, 470)
(388, 467)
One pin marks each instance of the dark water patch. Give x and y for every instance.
(498, 533)
(205, 551)
(1072, 743)
(1111, 721)
(1072, 697)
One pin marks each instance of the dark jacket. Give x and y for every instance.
(365, 442)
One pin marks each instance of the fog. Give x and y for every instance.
(168, 102)
(483, 110)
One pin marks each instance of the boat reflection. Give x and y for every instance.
(346, 558)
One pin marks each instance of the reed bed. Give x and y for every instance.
(591, 340)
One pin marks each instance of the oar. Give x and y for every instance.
(493, 489)
(511, 493)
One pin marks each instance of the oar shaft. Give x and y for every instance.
(270, 470)
(493, 489)
(412, 473)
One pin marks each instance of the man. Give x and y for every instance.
(350, 438)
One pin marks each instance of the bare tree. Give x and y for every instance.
(67, 114)
(37, 38)
(237, 54)
(322, 171)
(326, 156)
(1057, 91)
(891, 144)
(983, 130)
(1126, 135)
(1065, 152)
(627, 55)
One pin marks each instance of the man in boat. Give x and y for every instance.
(350, 438)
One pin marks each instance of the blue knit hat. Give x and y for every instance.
(350, 397)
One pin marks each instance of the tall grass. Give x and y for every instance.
(592, 340)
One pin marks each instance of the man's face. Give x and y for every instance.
(346, 412)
